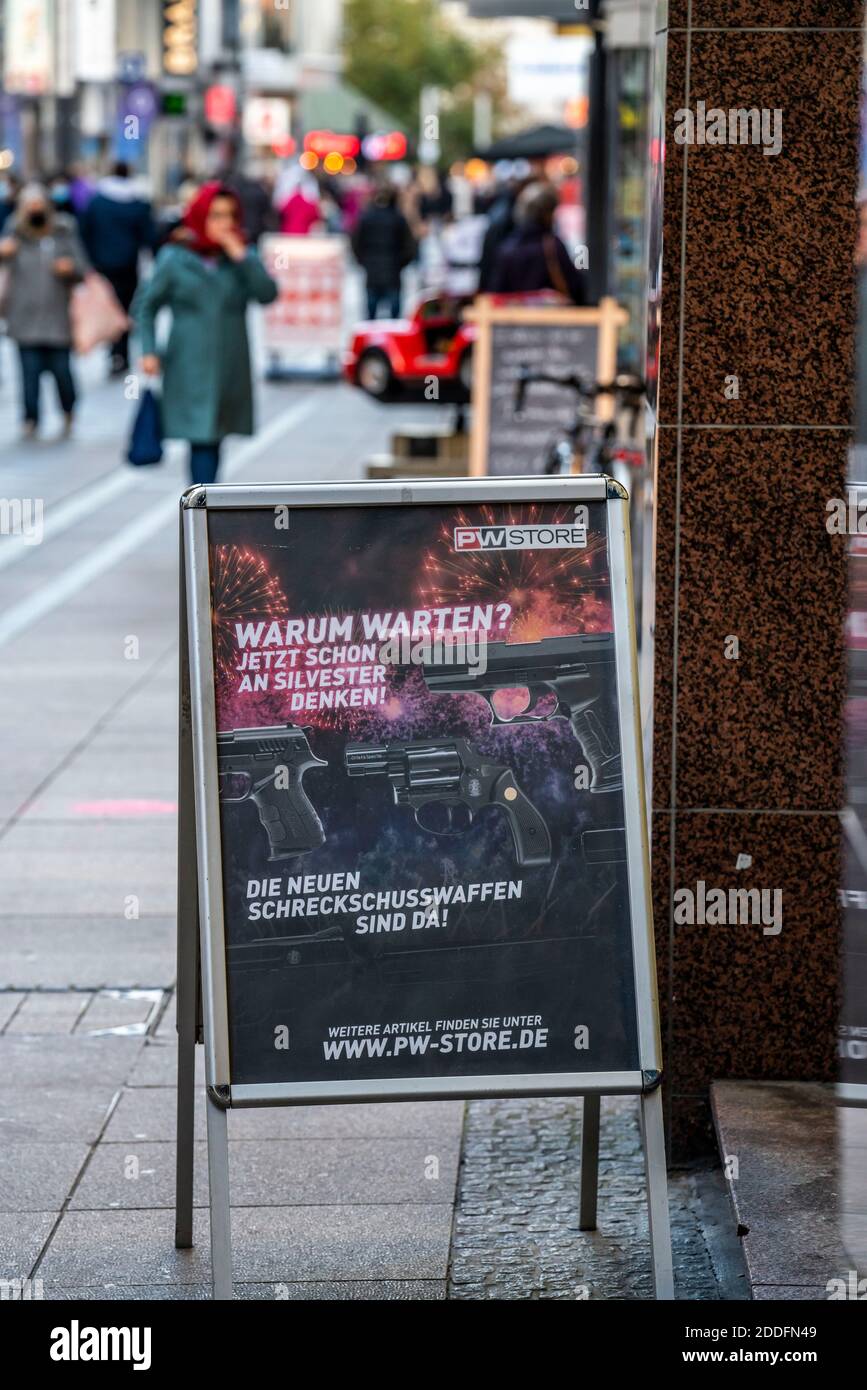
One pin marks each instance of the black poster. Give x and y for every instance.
(519, 440)
(421, 793)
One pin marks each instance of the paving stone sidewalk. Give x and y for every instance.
(516, 1235)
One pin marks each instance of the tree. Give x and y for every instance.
(394, 48)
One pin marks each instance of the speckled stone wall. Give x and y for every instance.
(758, 285)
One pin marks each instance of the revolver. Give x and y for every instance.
(453, 773)
(574, 669)
(250, 761)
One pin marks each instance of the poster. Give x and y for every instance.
(95, 40)
(411, 889)
(28, 66)
(308, 312)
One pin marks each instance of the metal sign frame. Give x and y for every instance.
(853, 1093)
(203, 1014)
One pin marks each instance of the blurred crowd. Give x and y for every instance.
(85, 260)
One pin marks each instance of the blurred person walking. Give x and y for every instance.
(44, 258)
(206, 275)
(501, 225)
(533, 257)
(10, 187)
(60, 193)
(254, 197)
(298, 205)
(383, 245)
(117, 225)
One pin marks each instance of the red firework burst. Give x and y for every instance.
(549, 592)
(242, 588)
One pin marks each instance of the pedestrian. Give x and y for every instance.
(255, 199)
(300, 211)
(60, 193)
(533, 258)
(10, 188)
(501, 225)
(206, 275)
(45, 260)
(117, 225)
(383, 246)
(81, 187)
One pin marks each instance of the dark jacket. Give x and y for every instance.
(383, 244)
(37, 299)
(117, 225)
(501, 225)
(532, 259)
(207, 389)
(258, 212)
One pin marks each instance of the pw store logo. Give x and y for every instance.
(570, 537)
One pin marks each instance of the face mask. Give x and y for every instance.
(60, 193)
(37, 219)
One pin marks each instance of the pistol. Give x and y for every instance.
(451, 773)
(250, 762)
(574, 669)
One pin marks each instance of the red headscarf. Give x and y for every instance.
(196, 217)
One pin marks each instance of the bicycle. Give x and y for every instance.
(590, 444)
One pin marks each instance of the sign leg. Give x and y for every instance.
(218, 1179)
(589, 1162)
(653, 1138)
(187, 984)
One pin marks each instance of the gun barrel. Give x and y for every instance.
(514, 664)
(275, 739)
(413, 765)
(366, 759)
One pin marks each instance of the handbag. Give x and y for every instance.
(95, 314)
(146, 440)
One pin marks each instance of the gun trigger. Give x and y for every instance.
(429, 829)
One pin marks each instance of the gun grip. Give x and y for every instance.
(602, 756)
(288, 817)
(529, 831)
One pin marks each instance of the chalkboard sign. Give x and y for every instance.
(553, 340)
(420, 823)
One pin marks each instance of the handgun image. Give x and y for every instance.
(250, 761)
(453, 773)
(573, 668)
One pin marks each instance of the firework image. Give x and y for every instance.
(421, 796)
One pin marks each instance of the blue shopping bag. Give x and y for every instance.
(146, 440)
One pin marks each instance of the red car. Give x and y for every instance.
(390, 357)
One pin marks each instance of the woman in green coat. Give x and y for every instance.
(207, 276)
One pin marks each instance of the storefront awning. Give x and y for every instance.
(341, 108)
(539, 142)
